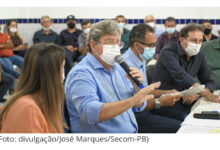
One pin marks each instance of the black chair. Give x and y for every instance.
(150, 73)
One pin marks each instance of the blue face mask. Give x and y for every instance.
(148, 53)
(122, 25)
(170, 30)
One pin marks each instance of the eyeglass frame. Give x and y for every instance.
(152, 45)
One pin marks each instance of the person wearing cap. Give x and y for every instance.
(68, 38)
(86, 25)
(125, 35)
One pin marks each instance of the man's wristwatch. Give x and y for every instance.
(157, 103)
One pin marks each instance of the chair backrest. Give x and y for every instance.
(150, 73)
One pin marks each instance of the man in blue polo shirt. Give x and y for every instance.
(142, 47)
(100, 98)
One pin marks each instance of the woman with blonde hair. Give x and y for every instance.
(37, 104)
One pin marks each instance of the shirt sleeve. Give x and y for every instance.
(81, 92)
(204, 75)
(35, 38)
(179, 75)
(59, 40)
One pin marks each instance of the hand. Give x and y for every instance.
(171, 91)
(169, 100)
(215, 99)
(75, 49)
(189, 99)
(69, 48)
(142, 95)
(135, 73)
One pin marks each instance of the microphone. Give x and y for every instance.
(119, 59)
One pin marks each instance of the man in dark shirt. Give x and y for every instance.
(167, 37)
(207, 25)
(125, 35)
(177, 67)
(68, 38)
(46, 34)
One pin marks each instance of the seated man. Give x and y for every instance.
(99, 95)
(149, 19)
(46, 34)
(178, 66)
(211, 51)
(167, 37)
(207, 25)
(125, 35)
(86, 25)
(142, 47)
(68, 38)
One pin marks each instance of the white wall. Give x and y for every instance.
(27, 30)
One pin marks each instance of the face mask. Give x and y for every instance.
(152, 24)
(86, 30)
(71, 25)
(170, 30)
(148, 53)
(13, 30)
(46, 29)
(207, 31)
(192, 49)
(122, 25)
(109, 53)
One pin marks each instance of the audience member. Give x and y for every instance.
(19, 45)
(7, 55)
(152, 22)
(125, 33)
(142, 47)
(211, 51)
(86, 26)
(46, 34)
(167, 37)
(6, 82)
(177, 67)
(68, 38)
(36, 106)
(207, 25)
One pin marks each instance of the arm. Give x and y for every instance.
(89, 105)
(177, 72)
(158, 47)
(8, 44)
(35, 38)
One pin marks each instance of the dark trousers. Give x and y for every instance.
(6, 83)
(149, 123)
(178, 111)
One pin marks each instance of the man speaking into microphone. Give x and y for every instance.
(100, 98)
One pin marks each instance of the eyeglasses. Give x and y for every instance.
(151, 45)
(120, 44)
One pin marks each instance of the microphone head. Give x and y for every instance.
(119, 59)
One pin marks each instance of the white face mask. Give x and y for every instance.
(109, 53)
(86, 30)
(46, 29)
(152, 24)
(13, 30)
(193, 49)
